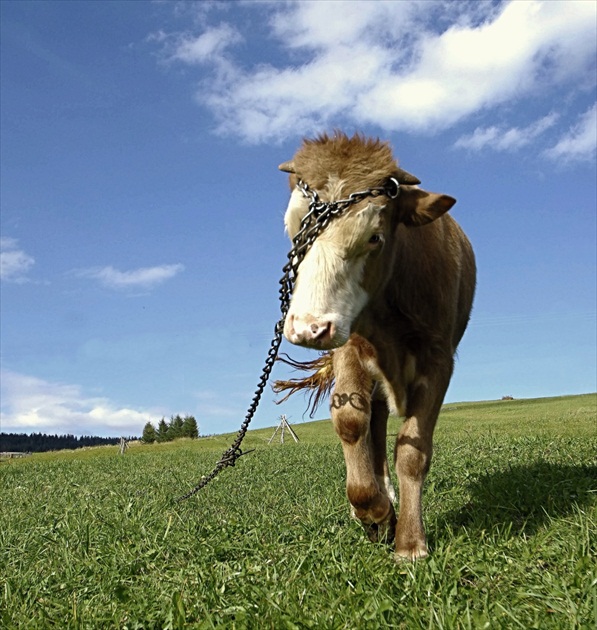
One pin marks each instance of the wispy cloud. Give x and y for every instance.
(31, 404)
(209, 46)
(142, 278)
(14, 262)
(403, 66)
(504, 139)
(580, 143)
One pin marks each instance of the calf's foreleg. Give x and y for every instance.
(412, 454)
(351, 409)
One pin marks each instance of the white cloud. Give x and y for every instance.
(580, 143)
(382, 63)
(209, 46)
(31, 404)
(503, 139)
(14, 262)
(466, 69)
(142, 278)
(315, 25)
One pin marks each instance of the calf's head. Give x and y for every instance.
(350, 261)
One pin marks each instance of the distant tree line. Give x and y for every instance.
(177, 427)
(40, 442)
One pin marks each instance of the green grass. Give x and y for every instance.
(92, 539)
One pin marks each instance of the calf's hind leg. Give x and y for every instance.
(352, 416)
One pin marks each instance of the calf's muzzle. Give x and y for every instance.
(310, 331)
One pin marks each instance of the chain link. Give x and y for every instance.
(318, 217)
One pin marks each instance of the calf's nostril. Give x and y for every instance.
(320, 330)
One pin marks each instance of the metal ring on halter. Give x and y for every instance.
(389, 193)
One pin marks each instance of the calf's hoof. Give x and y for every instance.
(382, 532)
(410, 552)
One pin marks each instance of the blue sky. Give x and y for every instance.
(142, 208)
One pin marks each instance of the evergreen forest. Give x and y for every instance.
(166, 431)
(41, 442)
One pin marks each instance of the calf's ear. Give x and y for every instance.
(419, 207)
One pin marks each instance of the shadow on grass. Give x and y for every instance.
(524, 497)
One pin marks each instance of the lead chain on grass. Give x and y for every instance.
(314, 222)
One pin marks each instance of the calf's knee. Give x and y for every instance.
(350, 427)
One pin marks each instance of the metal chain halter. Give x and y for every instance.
(312, 225)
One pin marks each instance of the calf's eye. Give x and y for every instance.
(375, 239)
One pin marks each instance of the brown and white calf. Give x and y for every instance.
(388, 288)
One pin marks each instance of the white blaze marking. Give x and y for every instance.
(328, 289)
(298, 206)
(329, 285)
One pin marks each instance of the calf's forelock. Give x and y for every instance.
(338, 165)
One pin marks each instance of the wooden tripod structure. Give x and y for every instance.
(282, 426)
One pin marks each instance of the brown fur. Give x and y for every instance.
(360, 161)
(420, 286)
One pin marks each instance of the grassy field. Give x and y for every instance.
(92, 539)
